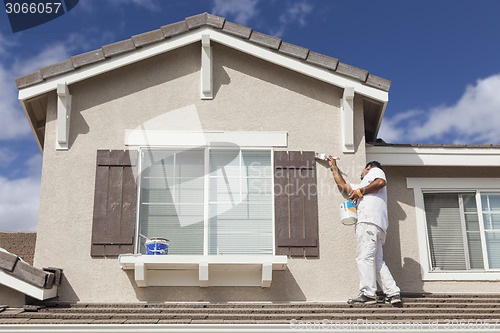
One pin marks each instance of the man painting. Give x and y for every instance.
(370, 196)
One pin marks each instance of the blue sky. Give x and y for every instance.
(442, 56)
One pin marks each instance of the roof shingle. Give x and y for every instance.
(87, 58)
(415, 307)
(147, 38)
(194, 22)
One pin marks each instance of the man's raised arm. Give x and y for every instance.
(341, 184)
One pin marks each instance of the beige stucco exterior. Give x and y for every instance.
(163, 92)
(11, 297)
(401, 251)
(250, 95)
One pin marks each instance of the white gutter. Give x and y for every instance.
(434, 156)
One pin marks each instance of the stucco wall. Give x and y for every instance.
(401, 251)
(11, 297)
(250, 95)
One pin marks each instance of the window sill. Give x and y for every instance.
(461, 276)
(203, 271)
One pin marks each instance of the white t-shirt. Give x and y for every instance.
(372, 207)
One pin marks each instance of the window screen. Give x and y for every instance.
(239, 198)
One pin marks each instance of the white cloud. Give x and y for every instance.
(393, 129)
(14, 123)
(5, 44)
(240, 11)
(50, 55)
(19, 199)
(473, 119)
(6, 157)
(297, 12)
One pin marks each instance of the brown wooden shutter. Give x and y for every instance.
(115, 202)
(296, 204)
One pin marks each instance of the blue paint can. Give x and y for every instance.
(157, 246)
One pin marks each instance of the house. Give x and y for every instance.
(204, 132)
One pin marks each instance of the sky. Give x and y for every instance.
(442, 56)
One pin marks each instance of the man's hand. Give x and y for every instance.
(332, 161)
(353, 195)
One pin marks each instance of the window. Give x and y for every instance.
(460, 238)
(458, 227)
(211, 201)
(453, 231)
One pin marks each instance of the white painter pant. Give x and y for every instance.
(371, 265)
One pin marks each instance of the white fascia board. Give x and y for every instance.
(195, 36)
(111, 64)
(414, 156)
(206, 138)
(26, 288)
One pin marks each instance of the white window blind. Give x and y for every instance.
(453, 231)
(239, 202)
(445, 232)
(172, 199)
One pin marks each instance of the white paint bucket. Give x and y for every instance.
(157, 246)
(348, 214)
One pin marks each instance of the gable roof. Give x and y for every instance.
(191, 23)
(33, 88)
(420, 312)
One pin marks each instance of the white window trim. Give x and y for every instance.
(177, 270)
(206, 138)
(419, 186)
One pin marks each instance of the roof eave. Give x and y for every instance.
(284, 60)
(432, 155)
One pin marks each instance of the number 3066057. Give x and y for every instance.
(32, 8)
